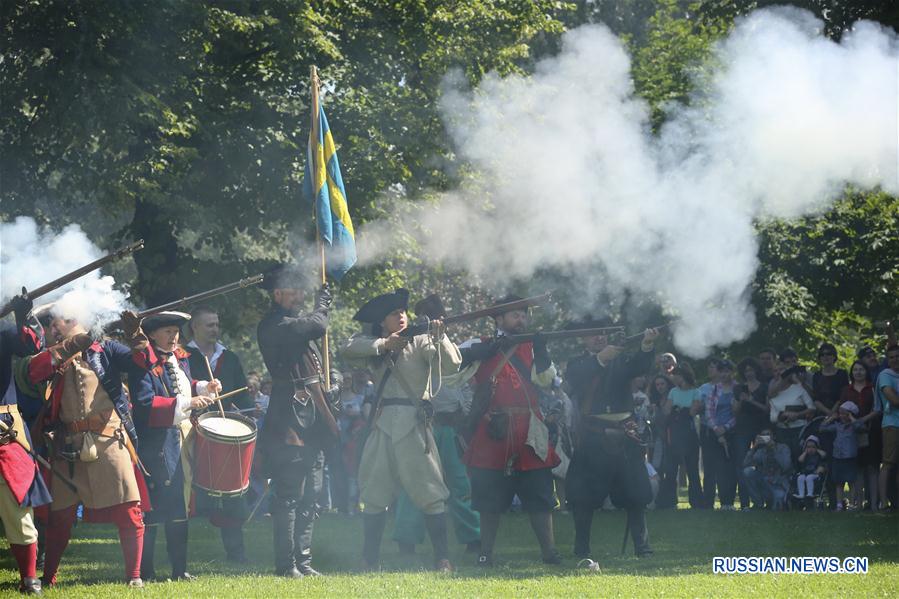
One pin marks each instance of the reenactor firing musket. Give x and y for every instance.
(432, 308)
(184, 301)
(77, 273)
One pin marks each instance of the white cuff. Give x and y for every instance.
(202, 387)
(182, 408)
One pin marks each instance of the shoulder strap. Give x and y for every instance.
(379, 393)
(507, 355)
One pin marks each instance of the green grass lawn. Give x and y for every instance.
(684, 542)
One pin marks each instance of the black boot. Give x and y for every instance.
(583, 521)
(232, 539)
(302, 541)
(284, 515)
(147, 565)
(41, 542)
(436, 526)
(176, 546)
(30, 586)
(373, 525)
(636, 523)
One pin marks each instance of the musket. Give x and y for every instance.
(184, 301)
(432, 307)
(498, 309)
(199, 297)
(630, 338)
(77, 273)
(564, 334)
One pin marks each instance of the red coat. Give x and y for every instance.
(512, 391)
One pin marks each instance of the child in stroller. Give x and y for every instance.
(810, 468)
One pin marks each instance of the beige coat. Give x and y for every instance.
(400, 452)
(109, 480)
(416, 364)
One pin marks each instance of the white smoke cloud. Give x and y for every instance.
(570, 176)
(31, 256)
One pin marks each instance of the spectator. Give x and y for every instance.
(844, 469)
(828, 383)
(860, 391)
(768, 363)
(658, 395)
(352, 425)
(751, 409)
(717, 443)
(887, 402)
(868, 357)
(641, 404)
(680, 408)
(811, 467)
(790, 405)
(766, 471)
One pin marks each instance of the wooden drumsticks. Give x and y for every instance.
(212, 378)
(219, 399)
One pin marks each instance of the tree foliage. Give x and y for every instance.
(185, 123)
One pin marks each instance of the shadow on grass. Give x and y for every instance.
(685, 541)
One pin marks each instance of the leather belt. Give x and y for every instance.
(95, 423)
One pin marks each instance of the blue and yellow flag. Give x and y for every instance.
(324, 187)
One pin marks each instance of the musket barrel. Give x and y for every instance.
(567, 334)
(499, 309)
(78, 273)
(241, 284)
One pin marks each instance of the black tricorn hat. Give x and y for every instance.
(284, 276)
(376, 309)
(507, 299)
(431, 307)
(590, 322)
(164, 319)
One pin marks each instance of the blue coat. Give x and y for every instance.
(152, 399)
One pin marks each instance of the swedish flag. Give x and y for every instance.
(323, 185)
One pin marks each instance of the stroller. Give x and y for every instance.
(817, 499)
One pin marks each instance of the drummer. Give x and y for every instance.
(227, 513)
(162, 402)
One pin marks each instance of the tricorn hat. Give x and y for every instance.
(508, 299)
(284, 276)
(164, 319)
(590, 322)
(431, 307)
(376, 309)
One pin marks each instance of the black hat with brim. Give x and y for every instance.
(590, 322)
(431, 306)
(376, 309)
(163, 319)
(284, 276)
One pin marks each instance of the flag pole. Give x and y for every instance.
(313, 138)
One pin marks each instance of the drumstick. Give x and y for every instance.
(225, 396)
(211, 378)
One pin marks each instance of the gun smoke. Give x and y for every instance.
(570, 177)
(32, 256)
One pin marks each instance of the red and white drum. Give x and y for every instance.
(223, 454)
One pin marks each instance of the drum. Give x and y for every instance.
(223, 453)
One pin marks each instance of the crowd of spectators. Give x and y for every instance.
(769, 433)
(765, 433)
